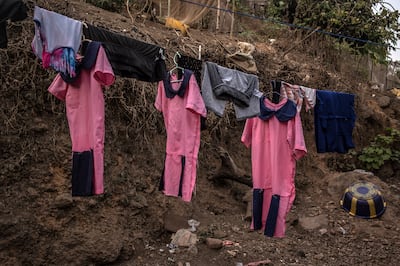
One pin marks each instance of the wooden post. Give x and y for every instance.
(223, 15)
(200, 52)
(169, 8)
(233, 17)
(386, 77)
(160, 8)
(218, 13)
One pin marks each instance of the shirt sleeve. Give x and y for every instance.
(103, 71)
(247, 134)
(159, 96)
(296, 138)
(58, 88)
(195, 100)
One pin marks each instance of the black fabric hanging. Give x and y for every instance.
(82, 173)
(170, 92)
(258, 199)
(128, 57)
(276, 90)
(196, 66)
(193, 64)
(10, 9)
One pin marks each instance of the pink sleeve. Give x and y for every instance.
(296, 137)
(58, 88)
(159, 96)
(195, 100)
(247, 134)
(103, 72)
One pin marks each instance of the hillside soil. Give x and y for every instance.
(133, 223)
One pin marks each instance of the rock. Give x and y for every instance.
(184, 238)
(312, 223)
(220, 234)
(214, 243)
(337, 183)
(383, 101)
(63, 201)
(233, 253)
(323, 231)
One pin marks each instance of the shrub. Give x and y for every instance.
(384, 148)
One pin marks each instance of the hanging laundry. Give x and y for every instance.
(87, 62)
(299, 93)
(130, 58)
(196, 66)
(57, 40)
(310, 97)
(182, 106)
(84, 102)
(221, 84)
(15, 10)
(276, 140)
(285, 113)
(192, 64)
(334, 120)
(296, 93)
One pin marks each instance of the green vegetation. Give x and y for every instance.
(384, 148)
(372, 20)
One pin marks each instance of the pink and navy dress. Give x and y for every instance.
(182, 106)
(84, 102)
(277, 142)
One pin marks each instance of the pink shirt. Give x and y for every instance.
(84, 103)
(275, 147)
(182, 124)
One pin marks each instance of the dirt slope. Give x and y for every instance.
(131, 224)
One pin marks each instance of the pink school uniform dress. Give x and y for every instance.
(182, 106)
(277, 142)
(84, 102)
